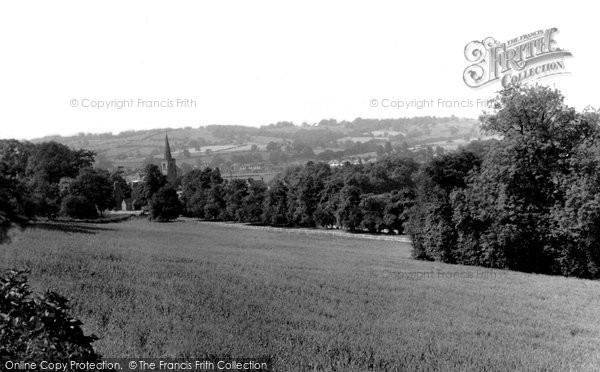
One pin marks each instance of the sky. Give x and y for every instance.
(67, 66)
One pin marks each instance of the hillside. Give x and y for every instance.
(234, 146)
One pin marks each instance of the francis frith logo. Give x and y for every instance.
(528, 57)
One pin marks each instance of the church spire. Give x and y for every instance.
(167, 148)
(168, 166)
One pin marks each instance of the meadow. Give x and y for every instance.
(311, 301)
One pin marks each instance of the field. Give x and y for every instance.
(312, 301)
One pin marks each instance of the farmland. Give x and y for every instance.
(312, 301)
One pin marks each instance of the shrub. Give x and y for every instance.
(34, 328)
(78, 207)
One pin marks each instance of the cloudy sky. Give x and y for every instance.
(259, 62)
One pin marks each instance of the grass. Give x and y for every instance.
(313, 302)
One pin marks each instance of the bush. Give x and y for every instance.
(34, 328)
(78, 207)
(165, 205)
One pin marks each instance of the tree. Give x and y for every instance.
(153, 180)
(195, 190)
(137, 194)
(95, 186)
(51, 161)
(235, 192)
(165, 205)
(430, 224)
(349, 214)
(252, 204)
(215, 203)
(576, 221)
(397, 205)
(117, 179)
(372, 208)
(275, 204)
(305, 187)
(77, 206)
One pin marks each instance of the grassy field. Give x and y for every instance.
(313, 302)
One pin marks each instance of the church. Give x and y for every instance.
(168, 166)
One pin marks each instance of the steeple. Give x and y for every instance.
(168, 166)
(167, 148)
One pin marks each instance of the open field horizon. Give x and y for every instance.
(311, 301)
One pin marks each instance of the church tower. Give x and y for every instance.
(168, 167)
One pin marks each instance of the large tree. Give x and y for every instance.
(95, 185)
(51, 161)
(165, 205)
(153, 180)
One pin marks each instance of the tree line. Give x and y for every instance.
(50, 179)
(528, 202)
(372, 197)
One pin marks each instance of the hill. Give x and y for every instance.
(241, 145)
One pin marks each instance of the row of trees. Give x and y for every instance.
(373, 197)
(50, 179)
(37, 327)
(528, 202)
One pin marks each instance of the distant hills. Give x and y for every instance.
(282, 142)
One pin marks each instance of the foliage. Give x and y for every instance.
(77, 206)
(34, 172)
(309, 196)
(529, 203)
(95, 186)
(165, 205)
(153, 180)
(35, 328)
(236, 191)
(117, 178)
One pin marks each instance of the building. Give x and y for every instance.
(168, 166)
(121, 203)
